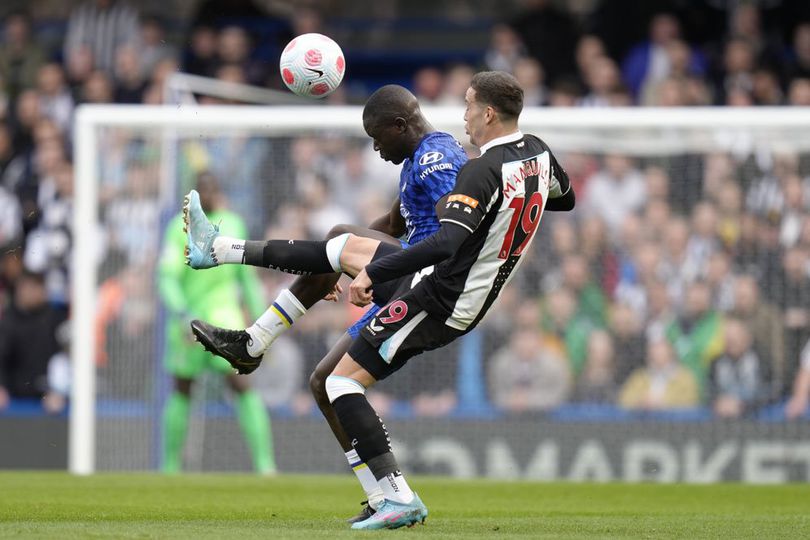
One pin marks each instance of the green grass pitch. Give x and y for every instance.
(56, 505)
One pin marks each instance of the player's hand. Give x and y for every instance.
(360, 289)
(334, 294)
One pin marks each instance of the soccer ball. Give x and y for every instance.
(312, 65)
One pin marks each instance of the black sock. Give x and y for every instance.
(367, 432)
(301, 257)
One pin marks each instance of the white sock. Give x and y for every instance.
(279, 316)
(395, 488)
(229, 250)
(366, 478)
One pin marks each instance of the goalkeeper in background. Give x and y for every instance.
(214, 297)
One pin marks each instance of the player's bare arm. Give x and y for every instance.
(391, 223)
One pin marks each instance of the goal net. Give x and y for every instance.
(653, 334)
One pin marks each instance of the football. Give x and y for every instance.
(312, 65)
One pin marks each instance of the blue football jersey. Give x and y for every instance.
(426, 178)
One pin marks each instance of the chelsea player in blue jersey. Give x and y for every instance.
(430, 162)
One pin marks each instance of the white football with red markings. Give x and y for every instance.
(312, 65)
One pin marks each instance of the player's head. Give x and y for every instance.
(208, 187)
(494, 102)
(392, 118)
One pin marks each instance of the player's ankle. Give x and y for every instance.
(260, 340)
(229, 250)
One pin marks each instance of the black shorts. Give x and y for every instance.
(400, 330)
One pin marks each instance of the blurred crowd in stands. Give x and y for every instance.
(678, 283)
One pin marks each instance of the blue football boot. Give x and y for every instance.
(201, 233)
(393, 515)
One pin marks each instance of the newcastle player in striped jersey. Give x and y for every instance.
(440, 288)
(430, 162)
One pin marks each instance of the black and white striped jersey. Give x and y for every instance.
(499, 197)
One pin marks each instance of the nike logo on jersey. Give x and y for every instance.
(318, 71)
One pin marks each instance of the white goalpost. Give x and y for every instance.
(639, 132)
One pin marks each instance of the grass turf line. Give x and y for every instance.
(56, 505)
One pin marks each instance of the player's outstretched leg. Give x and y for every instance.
(200, 232)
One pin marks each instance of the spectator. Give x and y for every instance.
(201, 57)
(703, 240)
(652, 61)
(11, 268)
(697, 334)
(98, 88)
(129, 78)
(132, 219)
(746, 23)
(797, 405)
(456, 83)
(793, 210)
(729, 213)
(10, 217)
(681, 85)
(597, 382)
(599, 253)
(13, 168)
(27, 340)
(678, 267)
(662, 384)
(602, 81)
(793, 298)
(615, 191)
(738, 378)
(565, 93)
(529, 73)
(737, 72)
(720, 279)
(20, 56)
(627, 332)
(799, 65)
(577, 277)
(233, 49)
(79, 67)
(799, 92)
(563, 326)
(27, 114)
(101, 27)
(527, 376)
(590, 48)
(48, 247)
(428, 83)
(154, 48)
(55, 99)
(766, 88)
(505, 49)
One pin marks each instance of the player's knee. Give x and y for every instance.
(335, 248)
(337, 386)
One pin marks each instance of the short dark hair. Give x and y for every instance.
(501, 91)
